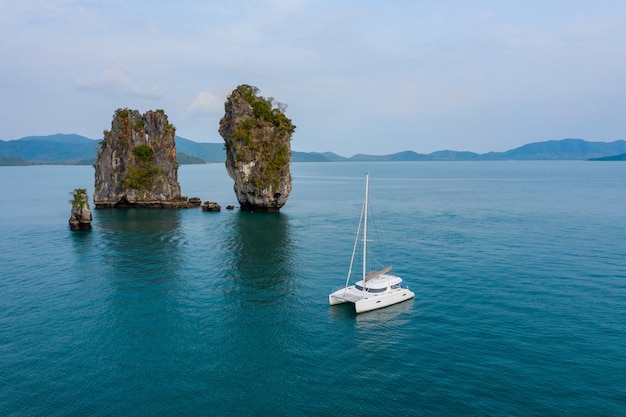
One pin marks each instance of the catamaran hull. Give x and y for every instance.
(368, 304)
(342, 297)
(333, 301)
(362, 304)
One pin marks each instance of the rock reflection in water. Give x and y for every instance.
(261, 256)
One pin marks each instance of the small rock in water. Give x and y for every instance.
(211, 206)
(80, 217)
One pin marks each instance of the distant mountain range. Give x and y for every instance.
(73, 149)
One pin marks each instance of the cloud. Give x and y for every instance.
(115, 81)
(206, 103)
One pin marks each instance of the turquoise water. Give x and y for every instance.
(518, 270)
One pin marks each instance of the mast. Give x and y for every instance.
(367, 185)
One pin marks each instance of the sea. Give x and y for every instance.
(518, 269)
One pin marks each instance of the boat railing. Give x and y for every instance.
(341, 293)
(342, 287)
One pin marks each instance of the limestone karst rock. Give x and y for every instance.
(80, 217)
(136, 164)
(257, 139)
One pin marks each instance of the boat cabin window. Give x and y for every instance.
(372, 290)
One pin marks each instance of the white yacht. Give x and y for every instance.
(376, 289)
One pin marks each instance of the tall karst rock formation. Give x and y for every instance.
(136, 164)
(257, 139)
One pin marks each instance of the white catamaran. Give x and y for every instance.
(376, 289)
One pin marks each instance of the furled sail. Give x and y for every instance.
(374, 274)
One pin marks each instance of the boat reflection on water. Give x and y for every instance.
(375, 318)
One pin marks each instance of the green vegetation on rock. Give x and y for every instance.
(138, 127)
(243, 131)
(122, 113)
(263, 109)
(143, 153)
(79, 198)
(141, 176)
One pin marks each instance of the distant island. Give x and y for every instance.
(621, 157)
(72, 149)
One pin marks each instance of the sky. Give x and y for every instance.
(374, 77)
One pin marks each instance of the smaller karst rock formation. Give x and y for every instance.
(257, 139)
(136, 164)
(80, 218)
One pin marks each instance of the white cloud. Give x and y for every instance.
(206, 103)
(115, 81)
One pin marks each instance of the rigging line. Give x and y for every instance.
(381, 247)
(356, 241)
